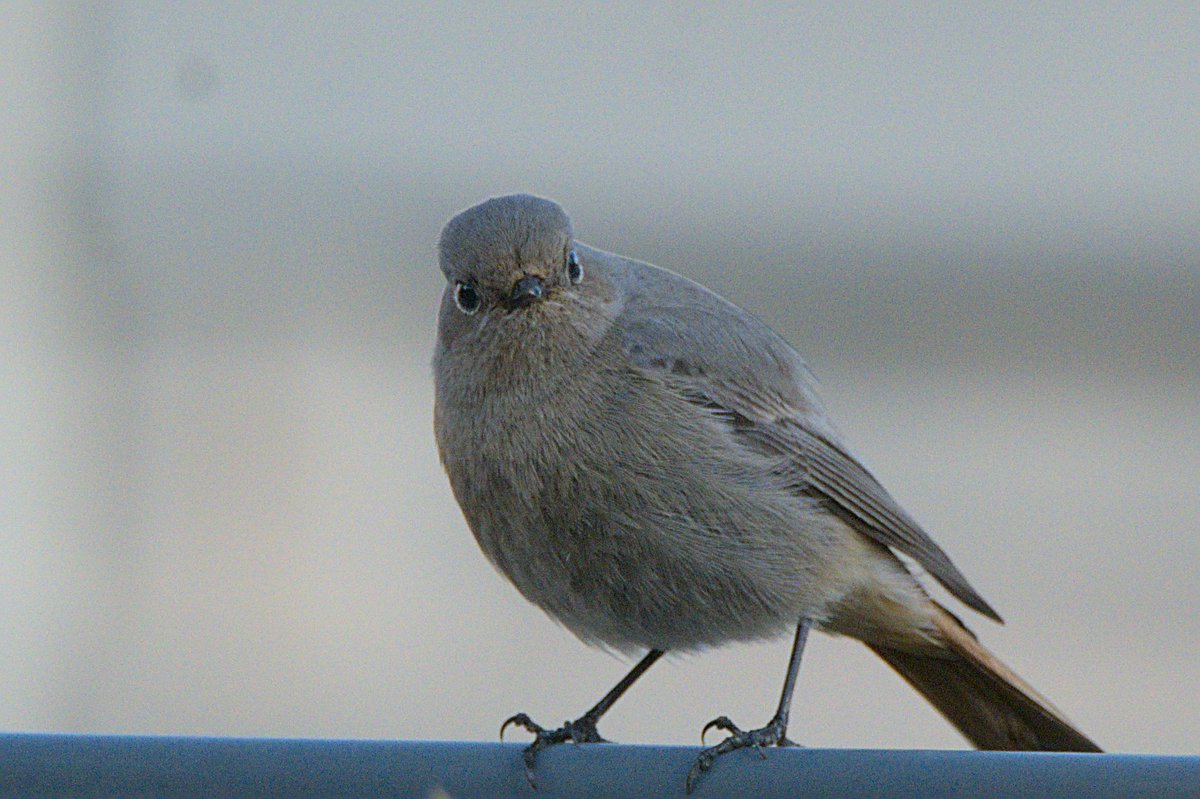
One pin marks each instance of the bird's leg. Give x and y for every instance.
(583, 729)
(773, 734)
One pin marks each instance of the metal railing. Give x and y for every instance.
(90, 765)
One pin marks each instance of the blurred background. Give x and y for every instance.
(221, 508)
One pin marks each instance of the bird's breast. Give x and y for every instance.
(623, 510)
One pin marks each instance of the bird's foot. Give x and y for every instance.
(774, 734)
(580, 731)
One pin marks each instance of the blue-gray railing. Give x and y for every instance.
(88, 765)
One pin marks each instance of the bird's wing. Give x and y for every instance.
(718, 356)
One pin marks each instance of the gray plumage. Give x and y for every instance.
(652, 466)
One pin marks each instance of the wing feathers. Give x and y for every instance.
(724, 360)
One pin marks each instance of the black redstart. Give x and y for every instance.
(652, 466)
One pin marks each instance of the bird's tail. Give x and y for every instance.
(983, 698)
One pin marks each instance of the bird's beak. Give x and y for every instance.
(528, 289)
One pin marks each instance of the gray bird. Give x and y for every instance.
(652, 466)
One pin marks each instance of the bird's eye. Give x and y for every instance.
(466, 297)
(574, 268)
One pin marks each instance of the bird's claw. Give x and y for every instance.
(774, 734)
(580, 731)
(720, 723)
(521, 720)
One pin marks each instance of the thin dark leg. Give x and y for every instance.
(620, 688)
(774, 734)
(583, 729)
(789, 682)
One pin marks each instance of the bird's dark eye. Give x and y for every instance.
(574, 268)
(466, 297)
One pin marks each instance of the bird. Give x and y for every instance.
(653, 467)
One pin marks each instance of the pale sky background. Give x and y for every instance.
(221, 510)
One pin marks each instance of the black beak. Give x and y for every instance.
(528, 289)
